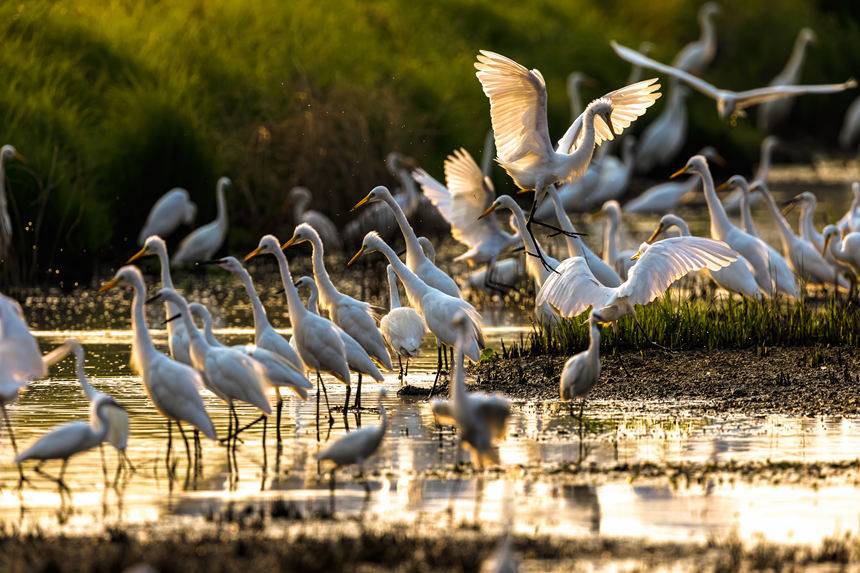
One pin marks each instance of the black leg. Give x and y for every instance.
(21, 478)
(400, 363)
(187, 447)
(438, 368)
(346, 407)
(169, 445)
(280, 407)
(358, 393)
(539, 254)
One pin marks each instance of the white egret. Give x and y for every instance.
(807, 262)
(808, 232)
(696, 56)
(850, 221)
(635, 74)
(582, 371)
(664, 137)
(615, 174)
(402, 328)
(325, 228)
(507, 272)
(202, 243)
(737, 277)
(845, 248)
(574, 193)
(118, 430)
(734, 202)
(171, 385)
(730, 104)
(416, 260)
(750, 247)
(170, 210)
(573, 289)
(7, 152)
(317, 341)
(437, 308)
(66, 440)
(772, 113)
(612, 254)
(177, 336)
(356, 446)
(480, 418)
(518, 112)
(666, 197)
(352, 315)
(850, 125)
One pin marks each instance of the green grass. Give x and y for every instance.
(114, 102)
(684, 323)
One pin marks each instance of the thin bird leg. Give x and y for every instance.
(325, 393)
(438, 368)
(21, 478)
(444, 355)
(346, 407)
(645, 334)
(400, 362)
(529, 220)
(407, 367)
(127, 461)
(60, 481)
(242, 429)
(185, 439)
(581, 419)
(357, 404)
(170, 474)
(228, 438)
(559, 231)
(265, 460)
(198, 453)
(280, 407)
(104, 463)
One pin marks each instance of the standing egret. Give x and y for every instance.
(480, 418)
(325, 228)
(665, 136)
(808, 232)
(845, 248)
(696, 56)
(117, 416)
(582, 371)
(508, 272)
(416, 259)
(7, 152)
(171, 210)
(171, 385)
(772, 113)
(850, 221)
(202, 243)
(518, 112)
(737, 277)
(437, 307)
(850, 125)
(317, 341)
(730, 104)
(734, 202)
(402, 328)
(352, 315)
(666, 197)
(177, 336)
(612, 254)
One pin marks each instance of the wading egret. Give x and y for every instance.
(402, 328)
(437, 308)
(118, 430)
(737, 277)
(772, 113)
(7, 152)
(177, 336)
(317, 341)
(734, 202)
(666, 197)
(416, 260)
(808, 232)
(696, 56)
(202, 243)
(730, 104)
(612, 254)
(480, 418)
(171, 385)
(844, 248)
(665, 136)
(171, 210)
(356, 446)
(352, 315)
(325, 228)
(581, 371)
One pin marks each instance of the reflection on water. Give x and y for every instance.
(414, 477)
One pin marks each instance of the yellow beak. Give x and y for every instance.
(654, 234)
(360, 203)
(355, 258)
(681, 171)
(288, 243)
(108, 285)
(826, 243)
(636, 256)
(252, 254)
(521, 191)
(789, 206)
(720, 160)
(489, 210)
(596, 216)
(137, 255)
(722, 187)
(19, 157)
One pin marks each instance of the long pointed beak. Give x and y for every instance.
(137, 255)
(655, 233)
(355, 258)
(636, 256)
(592, 218)
(252, 254)
(172, 318)
(360, 203)
(211, 262)
(19, 157)
(108, 285)
(719, 160)
(681, 171)
(521, 191)
(826, 243)
(789, 205)
(152, 299)
(722, 186)
(489, 210)
(288, 243)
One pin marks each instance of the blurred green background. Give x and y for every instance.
(115, 102)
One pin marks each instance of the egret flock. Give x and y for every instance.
(345, 338)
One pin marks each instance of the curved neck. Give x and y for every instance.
(707, 37)
(720, 224)
(100, 433)
(574, 247)
(142, 345)
(415, 287)
(393, 294)
(294, 302)
(170, 309)
(185, 312)
(764, 163)
(328, 292)
(807, 227)
(594, 340)
(458, 387)
(746, 213)
(260, 319)
(836, 248)
(299, 208)
(208, 335)
(313, 297)
(529, 243)
(581, 157)
(89, 391)
(610, 240)
(785, 232)
(414, 254)
(680, 223)
(791, 71)
(222, 205)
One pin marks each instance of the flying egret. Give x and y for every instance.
(696, 56)
(582, 371)
(350, 314)
(66, 440)
(481, 419)
(772, 113)
(612, 254)
(845, 248)
(737, 277)
(664, 137)
(666, 197)
(202, 243)
(118, 430)
(416, 260)
(325, 228)
(171, 210)
(317, 341)
(402, 328)
(730, 104)
(171, 385)
(734, 203)
(573, 289)
(20, 359)
(615, 175)
(177, 336)
(7, 152)
(437, 308)
(518, 112)
(573, 194)
(467, 196)
(850, 125)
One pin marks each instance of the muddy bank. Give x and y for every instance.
(802, 381)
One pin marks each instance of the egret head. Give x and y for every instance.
(734, 182)
(371, 244)
(303, 233)
(378, 193)
(167, 295)
(153, 245)
(223, 183)
(806, 200)
(709, 10)
(198, 310)
(642, 248)
(300, 196)
(602, 108)
(8, 152)
(231, 264)
(807, 36)
(696, 164)
(711, 154)
(268, 244)
(828, 233)
(128, 273)
(427, 247)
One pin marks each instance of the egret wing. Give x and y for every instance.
(573, 288)
(756, 96)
